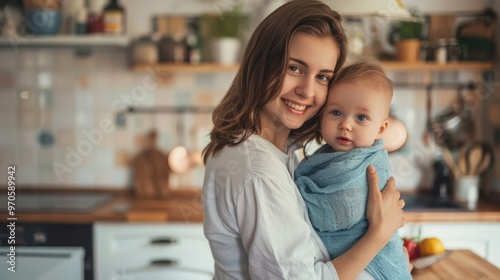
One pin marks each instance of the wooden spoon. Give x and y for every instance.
(448, 158)
(474, 157)
(462, 160)
(484, 164)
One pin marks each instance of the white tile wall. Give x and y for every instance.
(71, 96)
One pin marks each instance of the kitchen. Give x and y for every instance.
(80, 114)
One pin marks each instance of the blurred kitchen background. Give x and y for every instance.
(56, 90)
(116, 97)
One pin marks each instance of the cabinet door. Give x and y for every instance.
(481, 238)
(151, 251)
(155, 273)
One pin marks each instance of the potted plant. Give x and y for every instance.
(410, 38)
(224, 32)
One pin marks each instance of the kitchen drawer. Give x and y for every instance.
(149, 250)
(154, 240)
(154, 273)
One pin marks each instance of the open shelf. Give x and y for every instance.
(172, 67)
(388, 66)
(65, 41)
(433, 66)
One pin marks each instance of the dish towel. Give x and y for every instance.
(335, 188)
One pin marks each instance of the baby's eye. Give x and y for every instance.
(336, 113)
(362, 118)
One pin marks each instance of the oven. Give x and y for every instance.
(55, 235)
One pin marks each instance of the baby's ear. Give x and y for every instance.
(382, 129)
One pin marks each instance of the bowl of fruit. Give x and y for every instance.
(425, 252)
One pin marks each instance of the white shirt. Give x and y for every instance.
(255, 218)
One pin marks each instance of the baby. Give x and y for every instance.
(333, 180)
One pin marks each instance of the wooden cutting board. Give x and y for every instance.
(460, 264)
(150, 171)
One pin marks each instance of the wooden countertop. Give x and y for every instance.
(485, 211)
(181, 206)
(184, 205)
(460, 264)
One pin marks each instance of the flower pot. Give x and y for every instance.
(408, 50)
(226, 51)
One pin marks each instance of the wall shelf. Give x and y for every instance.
(65, 41)
(388, 66)
(172, 67)
(433, 66)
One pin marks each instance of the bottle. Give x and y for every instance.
(193, 53)
(81, 22)
(114, 18)
(95, 21)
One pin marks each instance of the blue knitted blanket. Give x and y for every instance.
(335, 189)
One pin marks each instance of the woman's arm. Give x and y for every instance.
(385, 215)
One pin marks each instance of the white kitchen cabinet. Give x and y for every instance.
(42, 263)
(149, 251)
(482, 238)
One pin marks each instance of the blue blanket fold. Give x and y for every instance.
(335, 189)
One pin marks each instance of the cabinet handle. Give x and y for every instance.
(163, 241)
(164, 262)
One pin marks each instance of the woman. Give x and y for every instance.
(255, 219)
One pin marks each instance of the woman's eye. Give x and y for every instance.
(294, 69)
(324, 78)
(362, 118)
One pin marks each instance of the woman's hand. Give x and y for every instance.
(385, 215)
(384, 209)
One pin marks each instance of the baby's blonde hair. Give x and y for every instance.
(368, 72)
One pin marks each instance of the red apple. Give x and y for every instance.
(412, 247)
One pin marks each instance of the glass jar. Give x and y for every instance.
(441, 52)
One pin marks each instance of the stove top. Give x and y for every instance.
(61, 202)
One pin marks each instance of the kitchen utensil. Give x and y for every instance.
(486, 164)
(466, 190)
(448, 159)
(427, 137)
(180, 159)
(151, 171)
(424, 262)
(455, 126)
(441, 179)
(482, 27)
(475, 158)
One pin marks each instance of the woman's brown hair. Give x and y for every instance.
(263, 68)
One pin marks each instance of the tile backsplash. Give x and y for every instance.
(58, 117)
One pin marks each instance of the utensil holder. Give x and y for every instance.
(467, 191)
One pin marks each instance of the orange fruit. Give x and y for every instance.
(431, 246)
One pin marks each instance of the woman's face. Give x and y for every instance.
(310, 68)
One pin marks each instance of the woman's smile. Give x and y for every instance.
(296, 107)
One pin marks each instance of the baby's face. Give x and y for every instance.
(354, 116)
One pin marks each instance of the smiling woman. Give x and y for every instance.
(249, 196)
